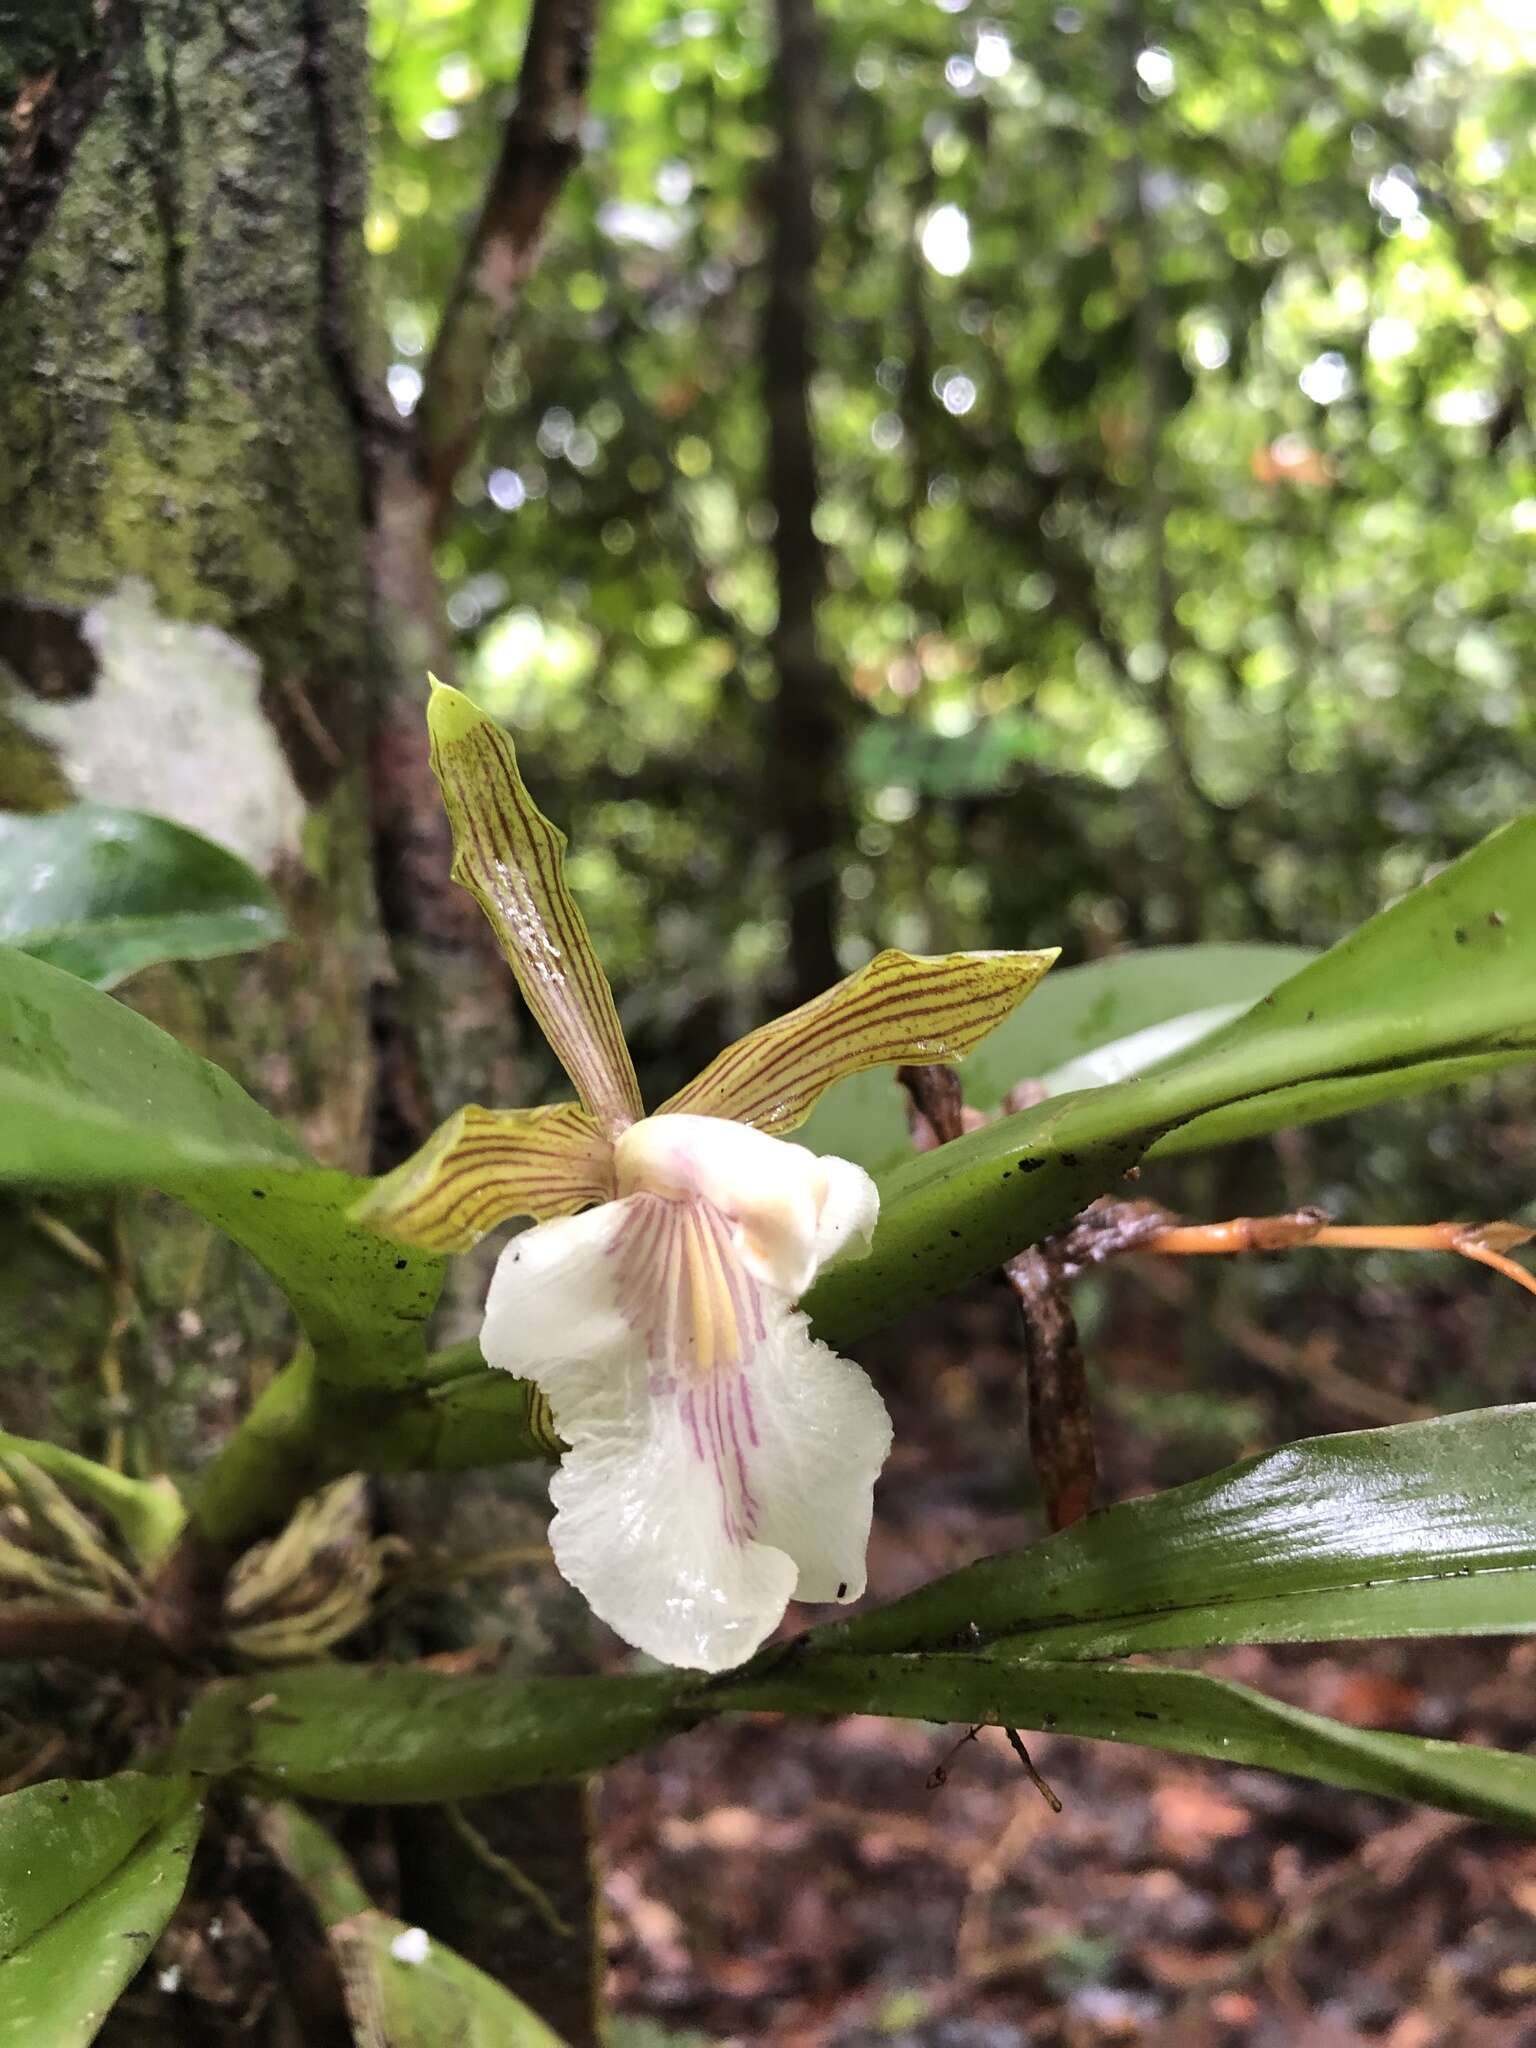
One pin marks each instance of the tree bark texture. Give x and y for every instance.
(178, 411)
(186, 414)
(451, 1035)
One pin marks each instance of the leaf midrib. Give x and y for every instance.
(141, 1843)
(1028, 1635)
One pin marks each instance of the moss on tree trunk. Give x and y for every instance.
(177, 407)
(180, 408)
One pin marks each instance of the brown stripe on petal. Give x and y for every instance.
(814, 1076)
(951, 1017)
(512, 861)
(597, 1039)
(899, 1008)
(871, 1010)
(484, 1165)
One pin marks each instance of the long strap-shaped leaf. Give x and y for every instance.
(1426, 1528)
(512, 861)
(352, 1733)
(1183, 1711)
(403, 1988)
(898, 1007)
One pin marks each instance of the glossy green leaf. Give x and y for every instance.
(404, 1988)
(1342, 1094)
(1427, 1528)
(1074, 1011)
(1439, 988)
(397, 1736)
(1182, 1711)
(94, 1095)
(102, 892)
(351, 1731)
(89, 1874)
(148, 1512)
(1424, 1529)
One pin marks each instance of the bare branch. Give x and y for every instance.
(935, 1105)
(540, 147)
(99, 1637)
(1061, 1434)
(807, 707)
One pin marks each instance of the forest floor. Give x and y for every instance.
(783, 1884)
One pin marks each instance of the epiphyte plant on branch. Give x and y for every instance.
(1427, 1528)
(720, 1459)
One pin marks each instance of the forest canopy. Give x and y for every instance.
(1176, 488)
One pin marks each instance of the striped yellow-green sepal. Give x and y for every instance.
(512, 861)
(484, 1165)
(900, 1007)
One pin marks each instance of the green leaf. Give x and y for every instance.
(1427, 1528)
(1182, 1711)
(149, 1513)
(102, 892)
(89, 1874)
(975, 763)
(1439, 988)
(407, 1990)
(392, 1735)
(1074, 1012)
(94, 1095)
(403, 1988)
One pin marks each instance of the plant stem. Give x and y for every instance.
(300, 1434)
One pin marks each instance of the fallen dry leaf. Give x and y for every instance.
(1190, 1817)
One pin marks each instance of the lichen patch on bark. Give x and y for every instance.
(174, 725)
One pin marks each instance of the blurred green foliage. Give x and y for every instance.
(1177, 480)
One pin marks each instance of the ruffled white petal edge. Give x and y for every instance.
(692, 1504)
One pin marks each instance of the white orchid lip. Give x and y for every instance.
(721, 1461)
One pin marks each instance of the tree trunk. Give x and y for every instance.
(806, 740)
(181, 442)
(195, 481)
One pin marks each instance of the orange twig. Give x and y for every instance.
(1238, 1234)
(1500, 1264)
(1487, 1243)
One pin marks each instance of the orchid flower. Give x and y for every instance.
(720, 1460)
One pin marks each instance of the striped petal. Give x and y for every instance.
(899, 1007)
(484, 1165)
(512, 861)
